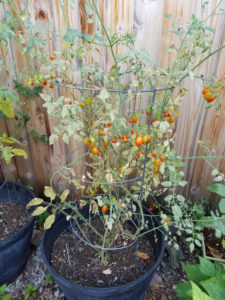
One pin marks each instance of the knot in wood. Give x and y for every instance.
(42, 15)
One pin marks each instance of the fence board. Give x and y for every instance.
(146, 19)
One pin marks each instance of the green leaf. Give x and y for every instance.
(217, 188)
(49, 192)
(2, 289)
(168, 16)
(184, 291)
(71, 34)
(6, 297)
(64, 195)
(39, 210)
(35, 201)
(166, 183)
(177, 212)
(198, 294)
(193, 272)
(222, 205)
(49, 221)
(6, 153)
(87, 37)
(19, 152)
(6, 107)
(215, 287)
(207, 267)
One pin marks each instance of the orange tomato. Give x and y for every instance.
(148, 113)
(114, 141)
(155, 171)
(206, 90)
(171, 120)
(90, 145)
(140, 153)
(120, 169)
(81, 105)
(154, 154)
(94, 151)
(134, 120)
(162, 158)
(139, 141)
(104, 209)
(105, 144)
(109, 124)
(157, 163)
(209, 97)
(51, 86)
(52, 57)
(130, 120)
(100, 132)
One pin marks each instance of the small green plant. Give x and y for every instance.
(206, 281)
(30, 291)
(49, 278)
(3, 295)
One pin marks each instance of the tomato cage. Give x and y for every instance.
(107, 176)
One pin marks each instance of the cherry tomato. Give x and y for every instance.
(140, 153)
(81, 105)
(51, 86)
(149, 139)
(145, 138)
(154, 154)
(125, 139)
(166, 114)
(104, 209)
(157, 163)
(105, 144)
(134, 120)
(206, 90)
(41, 86)
(152, 120)
(148, 113)
(109, 124)
(101, 149)
(92, 139)
(100, 132)
(162, 158)
(130, 120)
(113, 199)
(52, 57)
(209, 97)
(45, 82)
(88, 101)
(171, 120)
(85, 141)
(155, 171)
(114, 141)
(94, 151)
(90, 145)
(120, 169)
(139, 141)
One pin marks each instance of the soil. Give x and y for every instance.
(70, 254)
(12, 217)
(213, 245)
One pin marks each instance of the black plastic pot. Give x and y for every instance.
(14, 251)
(130, 291)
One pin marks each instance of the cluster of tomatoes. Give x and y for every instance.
(157, 162)
(208, 94)
(105, 207)
(170, 119)
(41, 82)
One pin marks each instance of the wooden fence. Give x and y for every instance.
(146, 19)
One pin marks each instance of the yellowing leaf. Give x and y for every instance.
(35, 201)
(142, 255)
(6, 107)
(109, 177)
(39, 210)
(19, 152)
(49, 221)
(49, 192)
(64, 195)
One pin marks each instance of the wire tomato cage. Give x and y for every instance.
(79, 87)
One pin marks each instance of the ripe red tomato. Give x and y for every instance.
(109, 124)
(130, 120)
(52, 57)
(104, 209)
(114, 141)
(206, 90)
(45, 82)
(139, 141)
(134, 120)
(166, 114)
(154, 154)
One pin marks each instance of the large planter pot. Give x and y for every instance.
(14, 251)
(133, 290)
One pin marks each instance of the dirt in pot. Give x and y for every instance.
(12, 217)
(79, 263)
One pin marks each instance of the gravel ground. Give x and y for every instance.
(162, 286)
